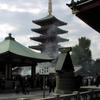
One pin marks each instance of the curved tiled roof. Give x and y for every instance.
(49, 20)
(9, 45)
(44, 30)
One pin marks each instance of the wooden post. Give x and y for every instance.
(33, 72)
(8, 71)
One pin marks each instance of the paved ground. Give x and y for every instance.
(33, 95)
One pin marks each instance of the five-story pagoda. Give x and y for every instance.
(49, 32)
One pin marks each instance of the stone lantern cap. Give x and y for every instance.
(65, 49)
(64, 62)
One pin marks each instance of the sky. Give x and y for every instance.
(16, 17)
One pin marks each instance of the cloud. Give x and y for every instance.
(16, 17)
(20, 10)
(5, 29)
(25, 41)
(78, 29)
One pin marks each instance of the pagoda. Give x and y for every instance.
(49, 31)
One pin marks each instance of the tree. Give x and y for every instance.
(81, 53)
(96, 67)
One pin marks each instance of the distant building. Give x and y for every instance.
(79, 70)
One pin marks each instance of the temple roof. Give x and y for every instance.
(79, 3)
(48, 20)
(87, 11)
(44, 30)
(44, 39)
(9, 48)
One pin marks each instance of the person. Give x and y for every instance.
(79, 81)
(97, 80)
(51, 83)
(26, 87)
(17, 87)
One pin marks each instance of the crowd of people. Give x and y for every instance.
(87, 80)
(25, 84)
(22, 85)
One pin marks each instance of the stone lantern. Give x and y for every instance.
(65, 79)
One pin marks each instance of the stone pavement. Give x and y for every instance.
(33, 95)
(36, 94)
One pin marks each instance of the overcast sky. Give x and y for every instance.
(16, 17)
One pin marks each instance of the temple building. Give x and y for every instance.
(49, 31)
(87, 11)
(12, 55)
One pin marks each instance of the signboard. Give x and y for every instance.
(44, 71)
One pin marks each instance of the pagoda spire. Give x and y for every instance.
(50, 7)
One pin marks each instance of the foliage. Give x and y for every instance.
(96, 67)
(81, 53)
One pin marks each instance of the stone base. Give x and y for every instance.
(65, 83)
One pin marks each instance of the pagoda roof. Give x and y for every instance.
(60, 39)
(48, 20)
(44, 30)
(44, 39)
(12, 51)
(39, 39)
(37, 47)
(87, 11)
(40, 47)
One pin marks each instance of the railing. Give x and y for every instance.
(88, 95)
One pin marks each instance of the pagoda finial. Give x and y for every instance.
(50, 7)
(65, 49)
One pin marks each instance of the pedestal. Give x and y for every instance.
(65, 82)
